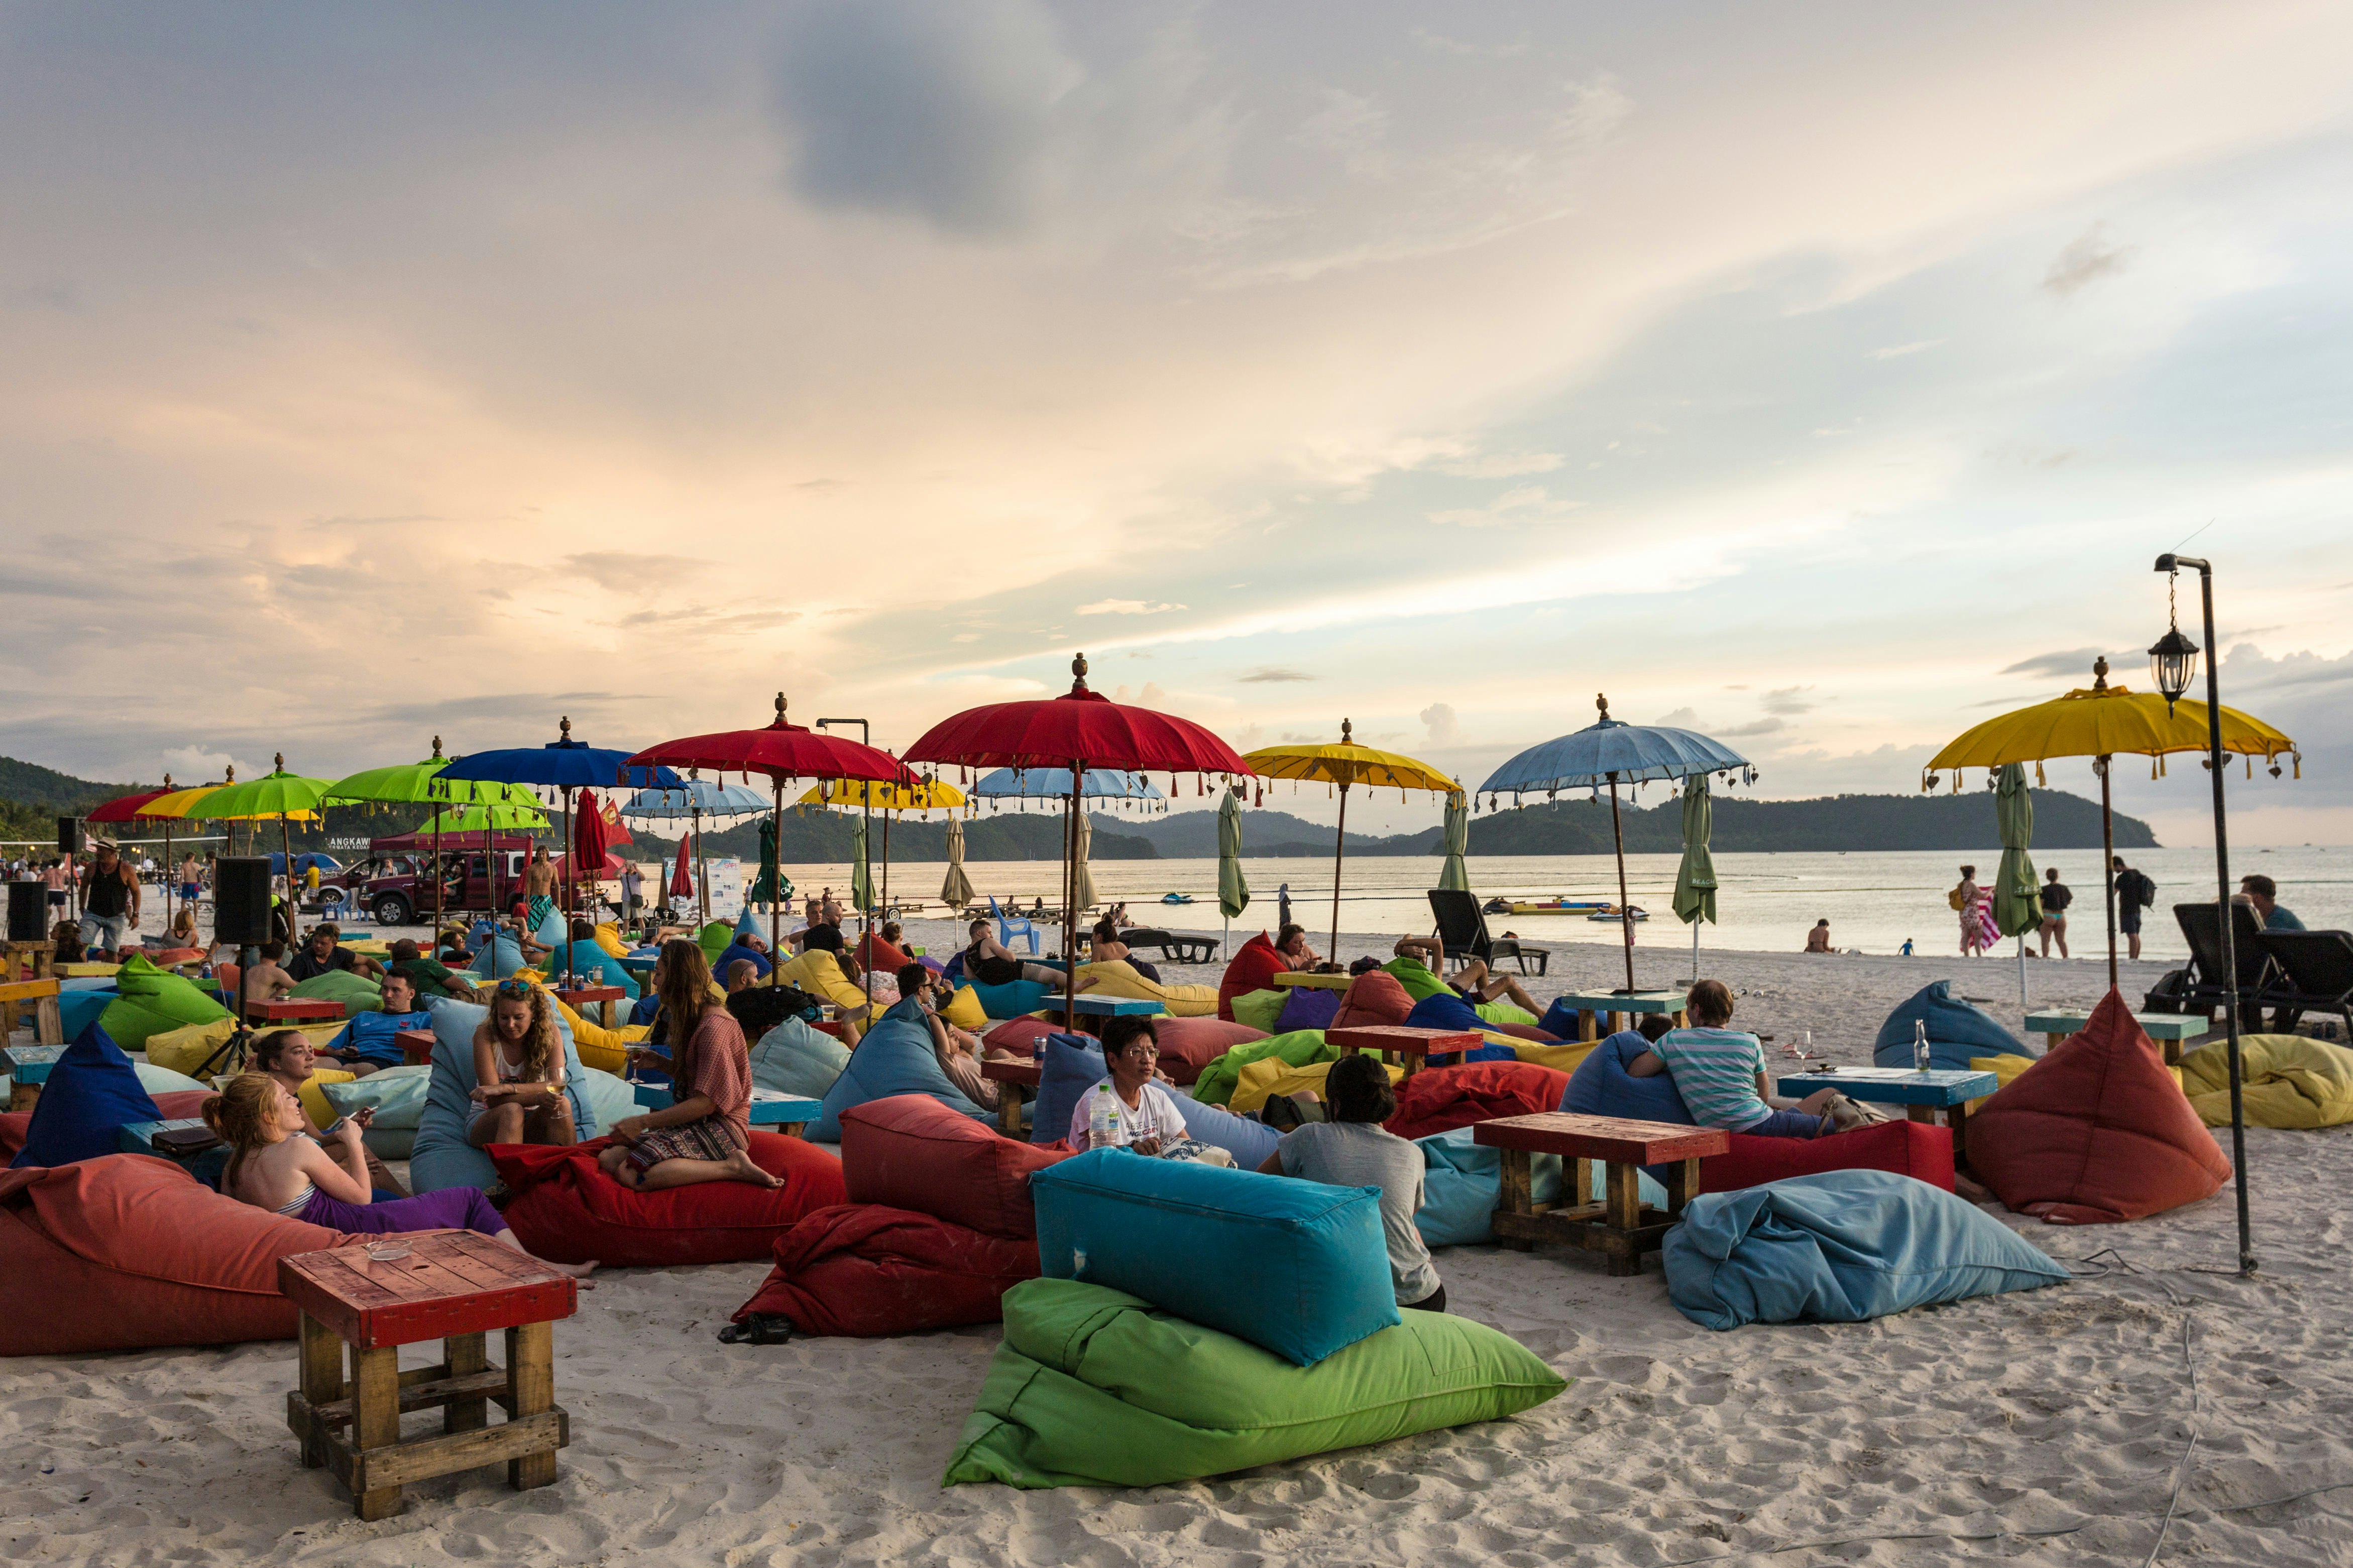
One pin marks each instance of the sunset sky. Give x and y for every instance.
(1824, 377)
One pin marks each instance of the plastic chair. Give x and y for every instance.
(1010, 926)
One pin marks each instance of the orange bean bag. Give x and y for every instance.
(1253, 968)
(568, 1211)
(866, 1269)
(2096, 1132)
(909, 1152)
(1374, 997)
(879, 955)
(132, 1253)
(1439, 1099)
(1911, 1149)
(1188, 1045)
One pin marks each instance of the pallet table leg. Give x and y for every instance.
(1957, 1118)
(1580, 1176)
(48, 1028)
(1683, 1184)
(320, 1376)
(375, 1422)
(1587, 1026)
(530, 1375)
(1516, 1195)
(1623, 1213)
(1921, 1113)
(1008, 1108)
(466, 1355)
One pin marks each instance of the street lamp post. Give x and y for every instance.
(2173, 662)
(865, 917)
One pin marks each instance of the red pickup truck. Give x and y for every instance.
(395, 886)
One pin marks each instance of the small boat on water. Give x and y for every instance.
(1611, 912)
(1176, 898)
(1554, 906)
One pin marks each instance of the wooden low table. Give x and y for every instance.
(293, 1010)
(415, 1047)
(454, 1286)
(1393, 1041)
(1014, 1076)
(1921, 1094)
(139, 1138)
(787, 1113)
(1617, 1009)
(2167, 1029)
(1618, 1224)
(48, 1027)
(29, 1069)
(1291, 978)
(580, 998)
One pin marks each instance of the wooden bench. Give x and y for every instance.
(48, 1027)
(1618, 1224)
(1392, 1041)
(1015, 1077)
(454, 1286)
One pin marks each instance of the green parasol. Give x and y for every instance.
(2017, 901)
(1695, 878)
(1233, 892)
(769, 888)
(1453, 874)
(861, 873)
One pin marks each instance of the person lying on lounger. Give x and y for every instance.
(1720, 1073)
(991, 963)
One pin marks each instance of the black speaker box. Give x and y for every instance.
(241, 900)
(69, 836)
(28, 912)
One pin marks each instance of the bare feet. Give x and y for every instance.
(740, 1168)
(579, 1271)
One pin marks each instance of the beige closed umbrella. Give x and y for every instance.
(957, 889)
(1082, 877)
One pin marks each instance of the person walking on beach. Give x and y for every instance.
(1968, 898)
(2056, 897)
(2135, 893)
(1282, 905)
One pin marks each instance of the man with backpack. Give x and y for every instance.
(2135, 893)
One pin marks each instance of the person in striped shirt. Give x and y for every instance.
(1720, 1073)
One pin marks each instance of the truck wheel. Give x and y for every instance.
(392, 910)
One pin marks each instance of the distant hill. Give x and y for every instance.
(1851, 822)
(33, 798)
(816, 837)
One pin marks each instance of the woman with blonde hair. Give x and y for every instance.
(703, 1133)
(519, 1086)
(273, 1165)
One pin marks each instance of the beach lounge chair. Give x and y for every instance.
(2204, 989)
(2314, 975)
(1175, 949)
(1010, 926)
(1464, 932)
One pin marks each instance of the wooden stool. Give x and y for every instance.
(1014, 1076)
(1390, 1041)
(1618, 1224)
(415, 1047)
(453, 1287)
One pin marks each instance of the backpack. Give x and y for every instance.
(1954, 898)
(2147, 890)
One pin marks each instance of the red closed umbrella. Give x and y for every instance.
(681, 881)
(1078, 730)
(782, 751)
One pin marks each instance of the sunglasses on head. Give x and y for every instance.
(514, 988)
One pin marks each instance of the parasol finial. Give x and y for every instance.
(278, 762)
(2100, 673)
(167, 784)
(780, 708)
(230, 772)
(436, 748)
(1347, 731)
(566, 728)
(1079, 672)
(1601, 703)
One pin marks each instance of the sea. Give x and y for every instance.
(1875, 900)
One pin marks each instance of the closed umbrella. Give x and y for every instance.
(595, 831)
(1696, 879)
(861, 875)
(957, 889)
(769, 888)
(681, 880)
(1453, 875)
(1083, 876)
(1233, 892)
(2017, 901)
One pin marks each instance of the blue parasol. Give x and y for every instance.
(693, 801)
(1611, 753)
(1054, 783)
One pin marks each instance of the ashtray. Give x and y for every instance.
(389, 1251)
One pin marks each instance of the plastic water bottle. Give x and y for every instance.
(1102, 1122)
(1920, 1044)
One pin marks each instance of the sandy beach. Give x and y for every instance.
(2043, 1427)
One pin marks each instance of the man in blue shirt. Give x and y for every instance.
(2262, 895)
(367, 1042)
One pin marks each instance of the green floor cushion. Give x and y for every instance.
(1301, 1047)
(1093, 1387)
(1259, 1010)
(796, 1058)
(1503, 1013)
(1414, 976)
(357, 992)
(151, 1001)
(395, 1094)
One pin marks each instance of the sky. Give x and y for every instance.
(1824, 377)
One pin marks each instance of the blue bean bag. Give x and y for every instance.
(1957, 1030)
(1307, 1007)
(1010, 1000)
(550, 932)
(1560, 1019)
(1297, 1268)
(1463, 1181)
(1248, 1140)
(1602, 1087)
(441, 1157)
(793, 1059)
(77, 1010)
(1840, 1247)
(1069, 1066)
(591, 966)
(92, 1093)
(894, 1057)
(501, 957)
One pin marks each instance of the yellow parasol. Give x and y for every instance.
(929, 794)
(2101, 723)
(1347, 764)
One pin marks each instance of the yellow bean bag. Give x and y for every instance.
(964, 1011)
(608, 937)
(1275, 1076)
(1119, 978)
(606, 1049)
(816, 973)
(2004, 1068)
(185, 1050)
(315, 1104)
(2286, 1080)
(1565, 1057)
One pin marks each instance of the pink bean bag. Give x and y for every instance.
(909, 1152)
(1188, 1045)
(1022, 1036)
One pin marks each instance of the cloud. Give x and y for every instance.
(1269, 674)
(1789, 700)
(1681, 719)
(624, 571)
(1445, 727)
(2074, 663)
(1899, 351)
(190, 765)
(2087, 258)
(1347, 124)
(1500, 465)
(1125, 608)
(1521, 503)
(1152, 696)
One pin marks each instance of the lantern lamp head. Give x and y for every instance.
(2172, 665)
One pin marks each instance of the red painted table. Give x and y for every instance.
(455, 1285)
(1393, 1040)
(293, 1010)
(580, 998)
(1618, 1224)
(415, 1047)
(1015, 1077)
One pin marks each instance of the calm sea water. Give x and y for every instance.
(1873, 900)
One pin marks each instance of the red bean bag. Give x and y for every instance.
(568, 1211)
(909, 1152)
(865, 1269)
(878, 954)
(1907, 1148)
(132, 1253)
(1253, 968)
(1188, 1045)
(1439, 1099)
(2096, 1132)
(176, 1105)
(1374, 997)
(1022, 1036)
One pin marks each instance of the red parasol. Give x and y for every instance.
(1078, 730)
(125, 809)
(781, 751)
(682, 883)
(592, 834)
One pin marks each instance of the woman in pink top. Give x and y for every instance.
(703, 1135)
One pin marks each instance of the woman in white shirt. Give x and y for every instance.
(1146, 1118)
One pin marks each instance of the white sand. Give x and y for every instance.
(1926, 1434)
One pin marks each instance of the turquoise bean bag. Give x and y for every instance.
(1957, 1030)
(592, 965)
(793, 1059)
(441, 1157)
(1012, 999)
(1463, 1181)
(894, 1057)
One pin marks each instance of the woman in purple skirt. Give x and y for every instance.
(273, 1165)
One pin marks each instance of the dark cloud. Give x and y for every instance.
(2066, 665)
(2087, 258)
(1789, 700)
(1270, 673)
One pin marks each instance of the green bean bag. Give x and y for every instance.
(153, 1002)
(1259, 1010)
(1415, 977)
(1301, 1047)
(1503, 1013)
(714, 939)
(357, 992)
(1094, 1387)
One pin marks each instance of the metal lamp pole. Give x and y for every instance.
(2172, 661)
(865, 917)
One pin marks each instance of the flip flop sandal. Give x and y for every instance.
(759, 1329)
